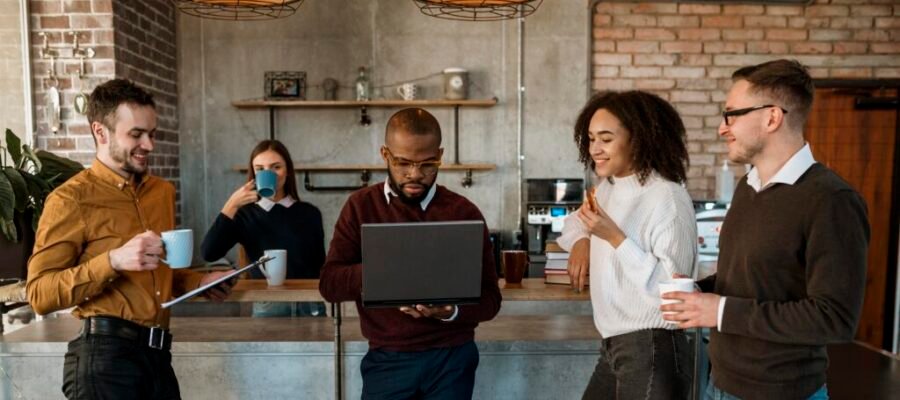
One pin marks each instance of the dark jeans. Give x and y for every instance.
(108, 367)
(443, 373)
(648, 364)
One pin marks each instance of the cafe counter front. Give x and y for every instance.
(550, 355)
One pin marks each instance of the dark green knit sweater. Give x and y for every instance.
(792, 265)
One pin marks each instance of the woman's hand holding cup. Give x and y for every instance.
(244, 195)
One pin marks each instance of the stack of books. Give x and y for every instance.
(556, 268)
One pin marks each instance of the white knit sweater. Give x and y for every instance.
(661, 239)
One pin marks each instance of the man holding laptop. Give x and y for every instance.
(422, 345)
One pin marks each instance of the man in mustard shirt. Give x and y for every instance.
(98, 249)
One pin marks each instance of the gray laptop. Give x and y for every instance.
(422, 263)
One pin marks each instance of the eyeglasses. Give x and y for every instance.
(729, 115)
(405, 167)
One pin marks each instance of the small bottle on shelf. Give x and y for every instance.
(363, 86)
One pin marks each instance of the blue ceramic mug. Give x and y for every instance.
(179, 246)
(266, 180)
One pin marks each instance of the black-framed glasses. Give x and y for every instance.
(729, 115)
(405, 167)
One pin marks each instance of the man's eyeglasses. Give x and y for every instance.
(405, 167)
(729, 115)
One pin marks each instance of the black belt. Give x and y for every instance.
(154, 338)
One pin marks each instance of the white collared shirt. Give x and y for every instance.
(792, 170)
(789, 173)
(388, 192)
(267, 204)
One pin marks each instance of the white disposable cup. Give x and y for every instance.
(675, 285)
(275, 270)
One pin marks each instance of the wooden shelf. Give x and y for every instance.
(261, 103)
(374, 167)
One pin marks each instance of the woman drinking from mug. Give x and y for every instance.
(639, 232)
(281, 221)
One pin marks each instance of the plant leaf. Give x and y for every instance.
(54, 165)
(38, 188)
(20, 189)
(14, 146)
(36, 216)
(7, 199)
(29, 154)
(9, 230)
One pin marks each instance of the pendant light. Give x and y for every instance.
(239, 10)
(478, 10)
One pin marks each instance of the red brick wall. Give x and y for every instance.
(92, 20)
(687, 52)
(133, 40)
(145, 53)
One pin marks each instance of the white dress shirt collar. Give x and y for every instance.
(792, 170)
(388, 192)
(267, 204)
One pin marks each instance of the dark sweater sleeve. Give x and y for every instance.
(317, 250)
(708, 284)
(341, 276)
(221, 237)
(489, 305)
(836, 248)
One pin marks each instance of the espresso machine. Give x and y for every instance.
(548, 202)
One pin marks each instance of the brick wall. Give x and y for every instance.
(133, 40)
(145, 53)
(687, 52)
(92, 21)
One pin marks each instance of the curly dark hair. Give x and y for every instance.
(657, 135)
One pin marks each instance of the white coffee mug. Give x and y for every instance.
(675, 285)
(179, 247)
(408, 91)
(275, 270)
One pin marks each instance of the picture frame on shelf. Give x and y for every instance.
(285, 85)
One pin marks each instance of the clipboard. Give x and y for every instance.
(221, 279)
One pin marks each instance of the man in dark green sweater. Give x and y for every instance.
(792, 262)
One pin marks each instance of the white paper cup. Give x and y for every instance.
(675, 285)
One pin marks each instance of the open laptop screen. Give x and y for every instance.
(422, 263)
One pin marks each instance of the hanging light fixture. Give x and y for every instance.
(239, 10)
(478, 10)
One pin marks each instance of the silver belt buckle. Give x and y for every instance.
(157, 338)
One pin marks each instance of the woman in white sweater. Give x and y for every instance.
(641, 232)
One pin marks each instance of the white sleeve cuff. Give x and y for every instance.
(721, 312)
(452, 317)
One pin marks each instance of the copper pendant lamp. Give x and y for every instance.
(239, 10)
(478, 10)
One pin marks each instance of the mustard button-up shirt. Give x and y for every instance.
(92, 213)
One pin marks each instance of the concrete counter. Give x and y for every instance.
(522, 357)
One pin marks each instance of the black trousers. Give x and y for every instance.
(446, 373)
(107, 367)
(647, 364)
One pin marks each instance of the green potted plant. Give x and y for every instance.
(26, 178)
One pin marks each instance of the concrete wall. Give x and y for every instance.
(12, 71)
(223, 61)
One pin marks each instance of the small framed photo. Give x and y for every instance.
(287, 85)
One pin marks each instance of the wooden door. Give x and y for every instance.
(860, 145)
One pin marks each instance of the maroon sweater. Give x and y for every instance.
(388, 328)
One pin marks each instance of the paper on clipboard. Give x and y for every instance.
(221, 279)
